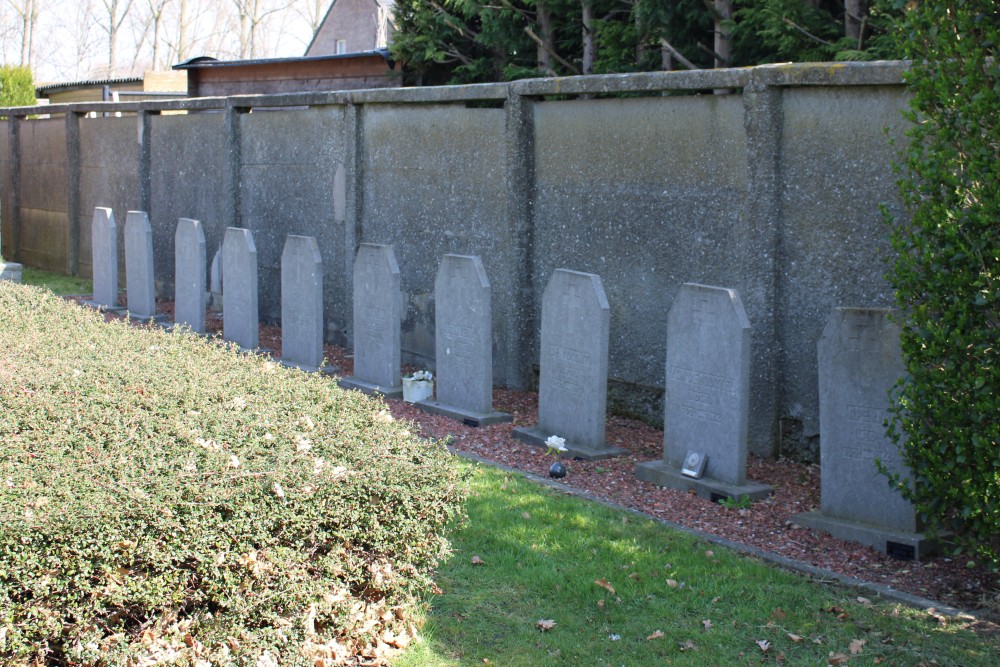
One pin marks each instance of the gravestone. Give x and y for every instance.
(463, 343)
(706, 397)
(573, 377)
(140, 286)
(302, 304)
(239, 265)
(104, 258)
(859, 362)
(377, 309)
(189, 274)
(215, 282)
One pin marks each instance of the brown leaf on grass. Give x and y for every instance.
(864, 600)
(764, 645)
(855, 646)
(603, 583)
(837, 659)
(688, 646)
(476, 560)
(672, 583)
(707, 624)
(600, 604)
(781, 658)
(709, 553)
(778, 614)
(545, 624)
(793, 637)
(525, 515)
(656, 635)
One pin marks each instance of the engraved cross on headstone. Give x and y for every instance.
(862, 338)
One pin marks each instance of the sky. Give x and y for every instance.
(70, 40)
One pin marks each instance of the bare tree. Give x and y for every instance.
(156, 18)
(115, 13)
(251, 16)
(27, 15)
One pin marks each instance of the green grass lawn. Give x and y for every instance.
(58, 283)
(623, 590)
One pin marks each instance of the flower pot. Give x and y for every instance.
(557, 470)
(417, 390)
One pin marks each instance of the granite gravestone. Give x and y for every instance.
(139, 276)
(573, 378)
(189, 274)
(377, 309)
(707, 393)
(463, 343)
(239, 265)
(301, 303)
(104, 257)
(859, 362)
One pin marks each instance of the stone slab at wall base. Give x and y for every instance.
(662, 474)
(159, 318)
(467, 417)
(370, 388)
(103, 307)
(899, 544)
(536, 437)
(325, 370)
(10, 271)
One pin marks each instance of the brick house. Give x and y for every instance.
(352, 26)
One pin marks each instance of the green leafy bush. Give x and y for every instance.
(947, 415)
(16, 87)
(162, 495)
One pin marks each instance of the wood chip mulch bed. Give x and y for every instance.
(768, 525)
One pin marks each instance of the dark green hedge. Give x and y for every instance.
(162, 493)
(946, 272)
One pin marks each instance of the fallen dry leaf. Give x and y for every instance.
(655, 635)
(603, 583)
(545, 624)
(525, 515)
(710, 553)
(764, 645)
(600, 604)
(794, 638)
(476, 560)
(707, 624)
(864, 600)
(855, 646)
(778, 614)
(688, 646)
(837, 659)
(672, 583)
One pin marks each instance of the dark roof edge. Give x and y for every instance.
(206, 62)
(76, 85)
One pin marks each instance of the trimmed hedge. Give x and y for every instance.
(162, 496)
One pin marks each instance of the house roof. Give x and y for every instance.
(387, 4)
(207, 61)
(47, 90)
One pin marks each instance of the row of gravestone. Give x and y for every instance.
(707, 383)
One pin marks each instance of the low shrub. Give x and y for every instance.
(167, 500)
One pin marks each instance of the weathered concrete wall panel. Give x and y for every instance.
(108, 177)
(644, 193)
(288, 162)
(44, 234)
(188, 157)
(6, 231)
(835, 164)
(434, 184)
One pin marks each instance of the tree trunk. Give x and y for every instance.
(545, 28)
(723, 14)
(589, 48)
(855, 18)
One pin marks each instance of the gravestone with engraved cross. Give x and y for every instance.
(189, 274)
(104, 257)
(573, 367)
(239, 264)
(140, 285)
(706, 399)
(463, 343)
(859, 363)
(377, 307)
(302, 304)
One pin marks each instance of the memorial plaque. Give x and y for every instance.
(189, 274)
(463, 342)
(573, 379)
(239, 266)
(104, 255)
(377, 308)
(139, 279)
(302, 303)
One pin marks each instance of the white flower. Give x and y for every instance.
(422, 376)
(268, 437)
(234, 462)
(278, 491)
(303, 445)
(191, 466)
(556, 443)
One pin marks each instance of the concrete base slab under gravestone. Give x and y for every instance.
(140, 283)
(859, 362)
(11, 271)
(104, 258)
(573, 367)
(463, 343)
(377, 308)
(706, 400)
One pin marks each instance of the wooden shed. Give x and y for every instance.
(208, 77)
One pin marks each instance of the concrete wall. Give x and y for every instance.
(772, 189)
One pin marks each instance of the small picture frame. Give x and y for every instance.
(694, 464)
